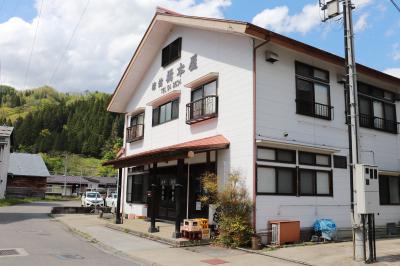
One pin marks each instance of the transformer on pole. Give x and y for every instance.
(331, 9)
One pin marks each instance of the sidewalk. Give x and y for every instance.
(154, 253)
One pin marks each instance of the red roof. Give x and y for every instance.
(172, 152)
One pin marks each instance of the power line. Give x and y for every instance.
(33, 44)
(395, 5)
(69, 42)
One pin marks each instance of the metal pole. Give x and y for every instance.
(118, 219)
(351, 77)
(187, 190)
(65, 175)
(152, 228)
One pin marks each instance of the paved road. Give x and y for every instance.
(47, 242)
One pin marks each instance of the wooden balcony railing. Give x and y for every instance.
(314, 109)
(374, 122)
(202, 109)
(134, 133)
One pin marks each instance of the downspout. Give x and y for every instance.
(255, 47)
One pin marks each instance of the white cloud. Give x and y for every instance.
(102, 46)
(396, 51)
(362, 3)
(278, 19)
(393, 71)
(361, 23)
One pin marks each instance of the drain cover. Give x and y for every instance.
(8, 252)
(12, 252)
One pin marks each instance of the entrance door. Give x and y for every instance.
(167, 206)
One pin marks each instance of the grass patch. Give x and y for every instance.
(15, 201)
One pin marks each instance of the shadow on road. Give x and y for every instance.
(12, 217)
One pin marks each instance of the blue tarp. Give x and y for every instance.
(326, 227)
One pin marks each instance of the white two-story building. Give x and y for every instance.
(5, 143)
(204, 94)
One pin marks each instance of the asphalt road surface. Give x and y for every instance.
(42, 241)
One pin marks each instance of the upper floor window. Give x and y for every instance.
(377, 108)
(312, 92)
(135, 131)
(171, 52)
(166, 112)
(204, 103)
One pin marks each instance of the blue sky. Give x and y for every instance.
(377, 25)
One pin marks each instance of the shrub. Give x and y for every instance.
(234, 209)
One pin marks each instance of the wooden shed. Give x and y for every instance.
(27, 176)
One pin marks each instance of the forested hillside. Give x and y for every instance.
(57, 123)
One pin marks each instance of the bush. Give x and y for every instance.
(234, 209)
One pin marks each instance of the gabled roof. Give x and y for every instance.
(24, 164)
(164, 20)
(5, 131)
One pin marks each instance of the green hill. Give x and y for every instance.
(57, 123)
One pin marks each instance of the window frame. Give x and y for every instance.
(201, 87)
(168, 49)
(368, 95)
(387, 192)
(137, 124)
(158, 108)
(315, 193)
(315, 159)
(133, 196)
(277, 193)
(314, 80)
(276, 150)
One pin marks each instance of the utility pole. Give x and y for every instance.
(65, 175)
(331, 9)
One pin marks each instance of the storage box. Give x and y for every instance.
(203, 222)
(191, 225)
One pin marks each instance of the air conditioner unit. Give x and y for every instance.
(283, 232)
(341, 79)
(367, 188)
(271, 57)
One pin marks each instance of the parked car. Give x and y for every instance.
(91, 198)
(111, 200)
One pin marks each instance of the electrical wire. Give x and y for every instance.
(33, 44)
(69, 42)
(397, 6)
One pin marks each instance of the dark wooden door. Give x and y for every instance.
(167, 204)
